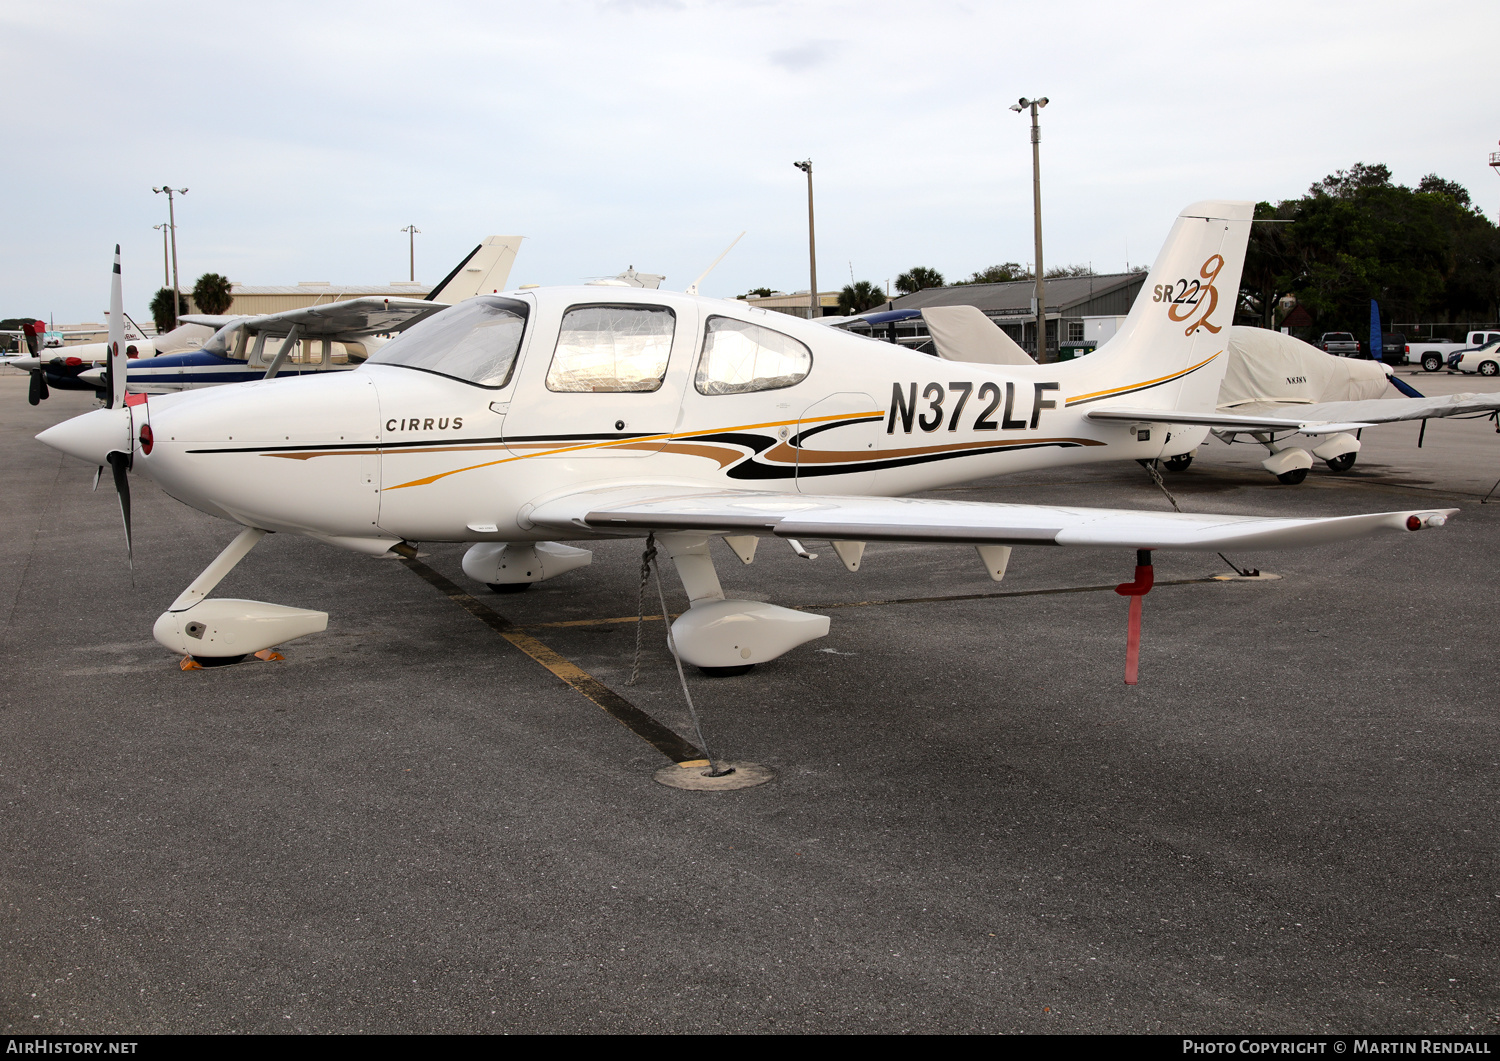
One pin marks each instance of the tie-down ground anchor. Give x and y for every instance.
(695, 777)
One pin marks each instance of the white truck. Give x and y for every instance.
(1433, 356)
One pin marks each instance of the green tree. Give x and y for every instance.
(997, 274)
(161, 309)
(859, 297)
(211, 294)
(918, 278)
(1425, 254)
(1059, 272)
(757, 292)
(1271, 265)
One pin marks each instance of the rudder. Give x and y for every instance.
(1170, 352)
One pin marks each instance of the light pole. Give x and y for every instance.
(413, 230)
(166, 269)
(172, 226)
(1036, 196)
(812, 246)
(1495, 161)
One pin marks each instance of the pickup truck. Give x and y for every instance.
(1432, 356)
(1339, 344)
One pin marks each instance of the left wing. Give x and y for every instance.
(633, 510)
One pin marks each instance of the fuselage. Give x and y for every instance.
(393, 451)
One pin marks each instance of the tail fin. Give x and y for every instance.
(1170, 352)
(486, 269)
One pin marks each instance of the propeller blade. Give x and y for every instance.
(98, 472)
(116, 375)
(38, 391)
(119, 463)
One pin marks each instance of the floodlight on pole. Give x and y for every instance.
(1036, 196)
(171, 193)
(413, 230)
(812, 246)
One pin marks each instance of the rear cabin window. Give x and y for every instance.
(612, 349)
(739, 358)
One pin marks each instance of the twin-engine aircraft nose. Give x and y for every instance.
(92, 436)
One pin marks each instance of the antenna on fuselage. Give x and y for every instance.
(693, 287)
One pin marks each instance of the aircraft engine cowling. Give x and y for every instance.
(298, 454)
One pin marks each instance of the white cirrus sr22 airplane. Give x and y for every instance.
(512, 421)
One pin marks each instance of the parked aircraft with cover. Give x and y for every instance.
(516, 420)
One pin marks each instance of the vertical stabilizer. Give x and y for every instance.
(485, 270)
(1170, 352)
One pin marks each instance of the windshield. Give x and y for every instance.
(222, 342)
(475, 341)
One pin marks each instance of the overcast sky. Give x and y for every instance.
(651, 132)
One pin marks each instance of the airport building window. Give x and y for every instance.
(740, 357)
(475, 341)
(1075, 331)
(612, 349)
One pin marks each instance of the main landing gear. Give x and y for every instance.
(1290, 464)
(723, 637)
(223, 631)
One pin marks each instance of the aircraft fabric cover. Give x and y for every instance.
(1267, 366)
(964, 333)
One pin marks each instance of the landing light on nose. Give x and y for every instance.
(92, 436)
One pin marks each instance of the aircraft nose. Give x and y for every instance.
(92, 436)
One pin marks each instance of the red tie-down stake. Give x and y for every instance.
(1144, 577)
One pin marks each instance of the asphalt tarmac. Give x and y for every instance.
(974, 825)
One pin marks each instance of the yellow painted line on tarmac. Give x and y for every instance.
(664, 740)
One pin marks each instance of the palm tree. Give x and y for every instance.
(856, 298)
(211, 294)
(919, 277)
(161, 309)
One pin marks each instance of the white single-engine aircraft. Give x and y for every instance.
(512, 420)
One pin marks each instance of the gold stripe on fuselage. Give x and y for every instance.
(1079, 398)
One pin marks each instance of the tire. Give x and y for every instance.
(727, 672)
(508, 587)
(1179, 463)
(1432, 362)
(218, 661)
(1343, 463)
(1489, 368)
(1293, 477)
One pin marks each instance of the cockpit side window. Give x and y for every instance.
(612, 349)
(475, 341)
(739, 357)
